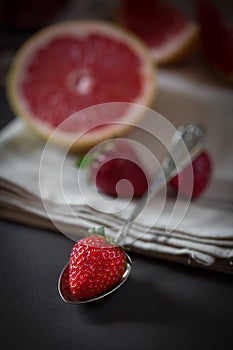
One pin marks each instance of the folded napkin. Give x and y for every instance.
(33, 191)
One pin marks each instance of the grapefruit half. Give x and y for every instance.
(69, 67)
(170, 34)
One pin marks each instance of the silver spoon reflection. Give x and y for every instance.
(194, 138)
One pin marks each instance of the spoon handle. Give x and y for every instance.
(186, 144)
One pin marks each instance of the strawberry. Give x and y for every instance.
(202, 168)
(95, 266)
(117, 161)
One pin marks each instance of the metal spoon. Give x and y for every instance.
(178, 157)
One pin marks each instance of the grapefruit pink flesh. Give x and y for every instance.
(71, 66)
(65, 77)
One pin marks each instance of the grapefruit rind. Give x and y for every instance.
(181, 48)
(80, 28)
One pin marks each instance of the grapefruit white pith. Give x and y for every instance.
(70, 66)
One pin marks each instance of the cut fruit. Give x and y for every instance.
(170, 34)
(70, 66)
(217, 38)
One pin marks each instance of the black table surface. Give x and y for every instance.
(163, 305)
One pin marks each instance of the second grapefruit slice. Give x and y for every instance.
(170, 34)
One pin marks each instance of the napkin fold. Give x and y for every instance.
(32, 192)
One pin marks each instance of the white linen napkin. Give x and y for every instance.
(31, 194)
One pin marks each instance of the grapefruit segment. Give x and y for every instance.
(68, 67)
(170, 34)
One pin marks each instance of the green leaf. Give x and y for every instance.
(97, 231)
(100, 230)
(91, 230)
(84, 162)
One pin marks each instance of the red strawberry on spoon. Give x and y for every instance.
(117, 161)
(96, 266)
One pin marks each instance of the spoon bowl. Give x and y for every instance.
(64, 290)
